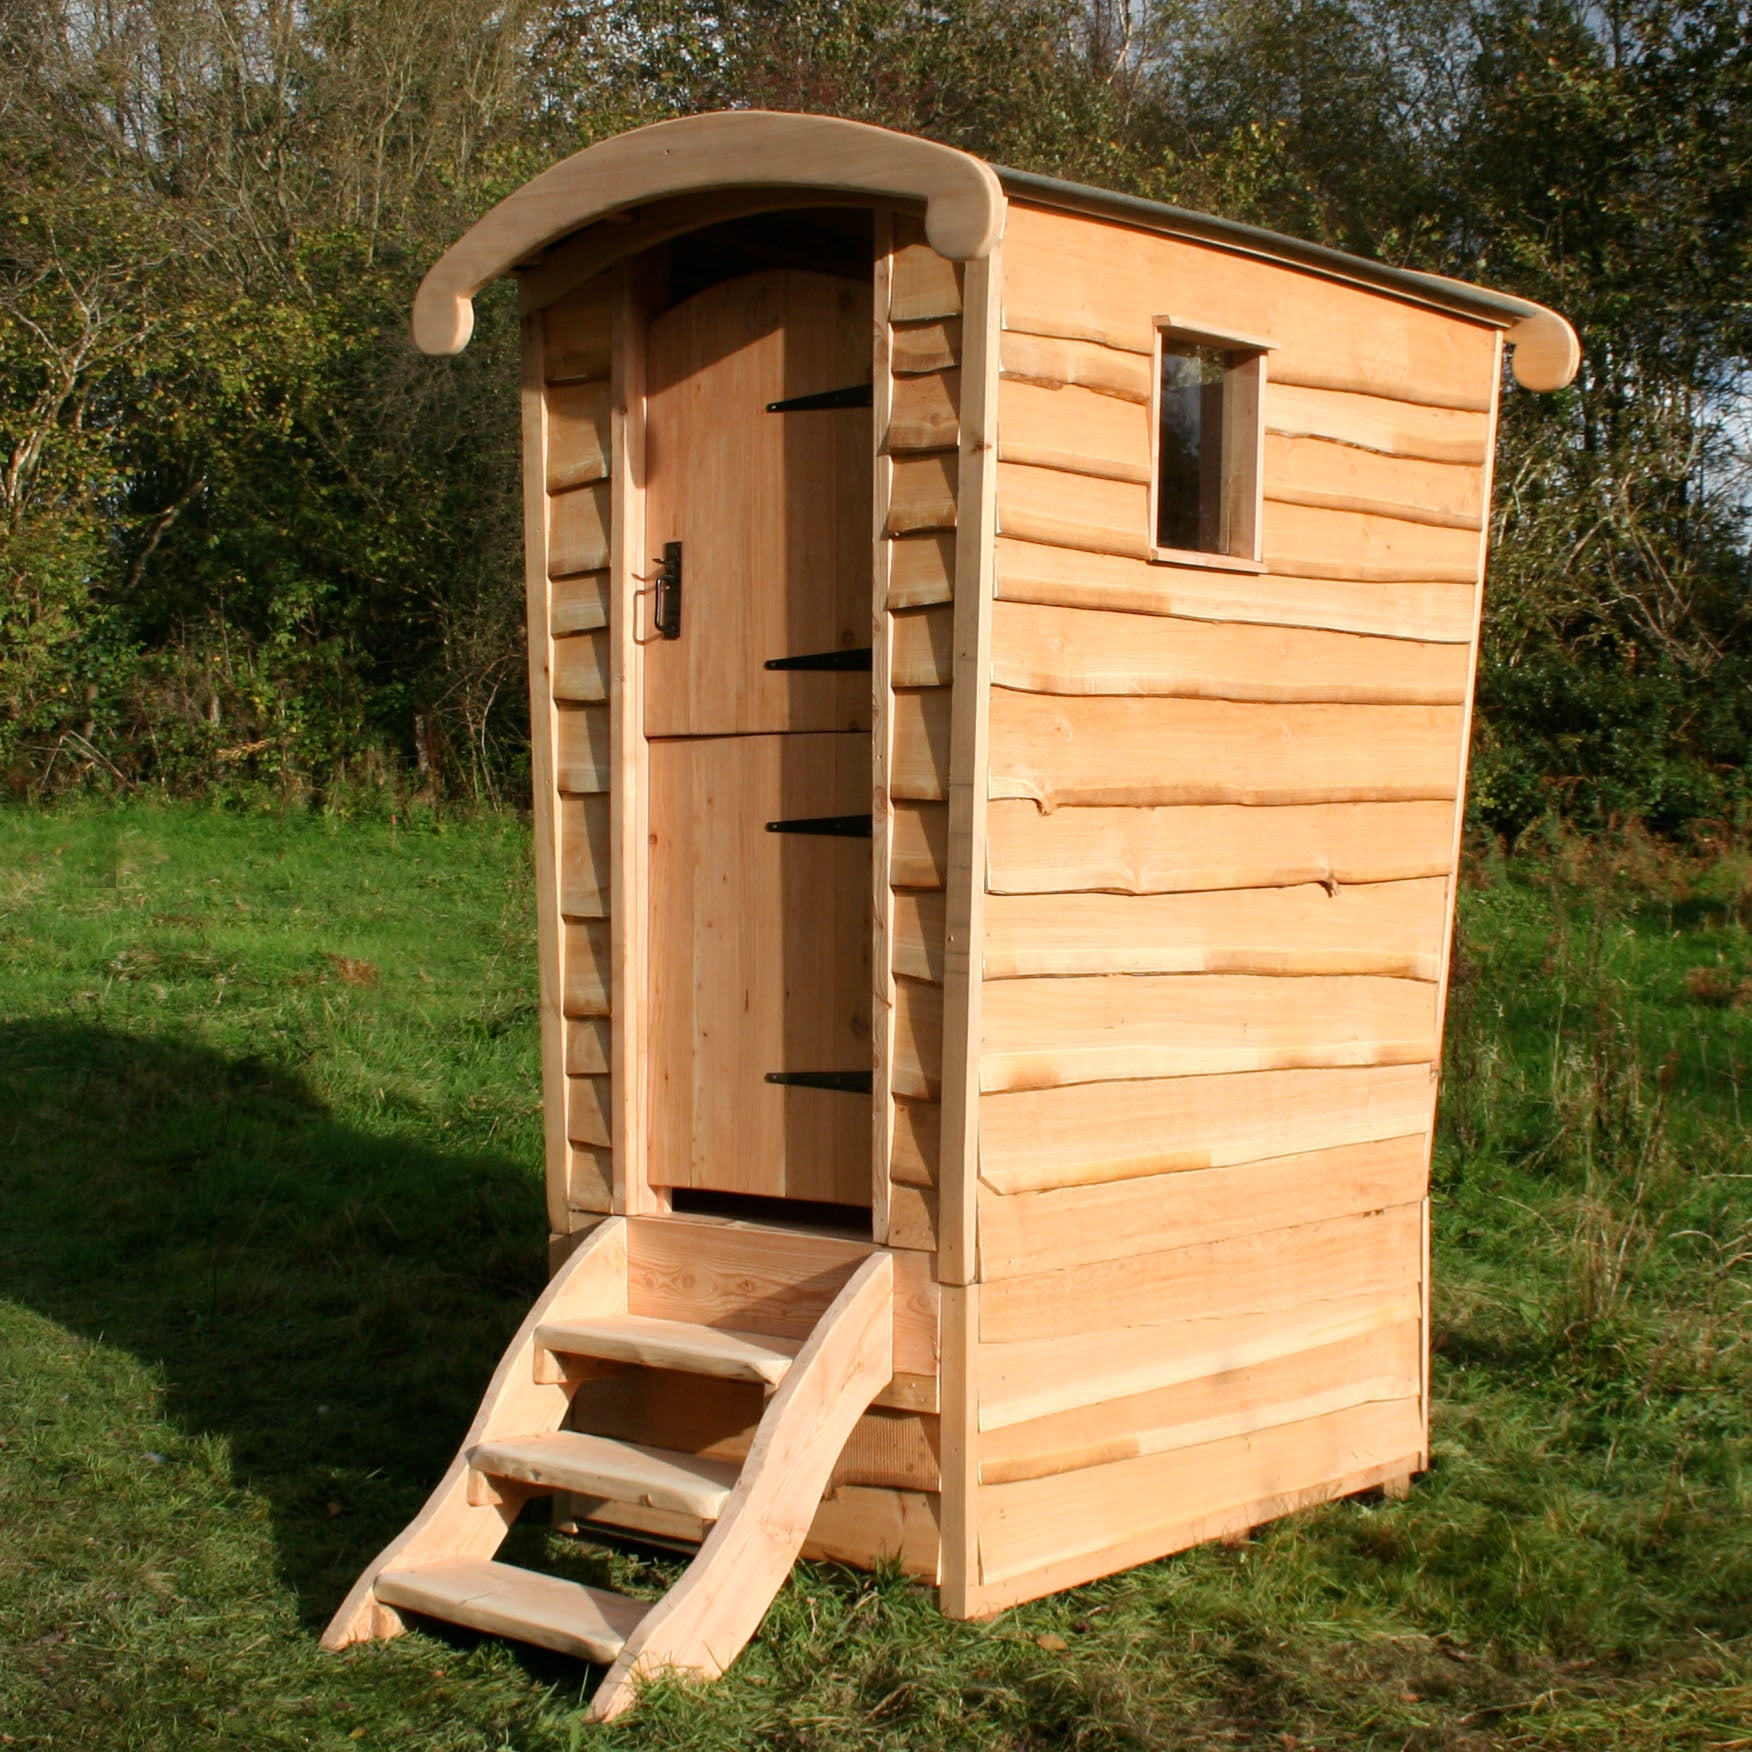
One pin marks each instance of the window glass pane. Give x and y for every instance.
(1190, 499)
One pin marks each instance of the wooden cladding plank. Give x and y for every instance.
(1372, 422)
(1038, 1524)
(578, 420)
(588, 1111)
(1096, 1134)
(587, 1046)
(1039, 1033)
(584, 856)
(1038, 648)
(578, 334)
(581, 748)
(924, 413)
(924, 648)
(1063, 426)
(578, 529)
(917, 1143)
(1085, 279)
(1050, 359)
(924, 284)
(1343, 477)
(921, 570)
(918, 934)
(1026, 1233)
(1185, 848)
(1059, 750)
(1394, 929)
(589, 1179)
(918, 1039)
(932, 345)
(918, 767)
(585, 975)
(921, 493)
(581, 667)
(1073, 510)
(578, 605)
(918, 845)
(1360, 1370)
(912, 1218)
(1369, 1254)
(768, 1281)
(1029, 571)
(870, 1528)
(1306, 541)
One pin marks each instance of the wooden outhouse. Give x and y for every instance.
(1001, 658)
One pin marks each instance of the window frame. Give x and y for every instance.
(1246, 554)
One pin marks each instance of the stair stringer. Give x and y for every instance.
(702, 1624)
(592, 1282)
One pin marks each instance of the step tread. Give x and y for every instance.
(673, 1344)
(599, 1466)
(569, 1617)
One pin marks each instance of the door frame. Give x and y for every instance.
(630, 579)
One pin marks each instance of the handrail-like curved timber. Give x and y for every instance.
(964, 201)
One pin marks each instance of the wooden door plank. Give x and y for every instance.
(1185, 848)
(1091, 1134)
(1388, 928)
(1042, 649)
(1107, 750)
(1058, 1228)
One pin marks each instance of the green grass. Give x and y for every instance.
(270, 1203)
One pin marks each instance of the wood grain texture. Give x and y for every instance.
(587, 1045)
(919, 845)
(1387, 928)
(578, 332)
(917, 1143)
(589, 1111)
(1040, 1033)
(581, 762)
(923, 493)
(584, 856)
(925, 413)
(1073, 510)
(581, 667)
(913, 1219)
(931, 345)
(578, 434)
(586, 963)
(1043, 1523)
(1058, 1228)
(1356, 1371)
(1041, 649)
(1050, 359)
(923, 653)
(1033, 572)
(1105, 750)
(919, 762)
(1376, 423)
(578, 605)
(1083, 431)
(926, 285)
(589, 1180)
(1099, 1133)
(1345, 477)
(918, 1039)
(1094, 280)
(921, 570)
(918, 934)
(1186, 848)
(578, 530)
(1358, 547)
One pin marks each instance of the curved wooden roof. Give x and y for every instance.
(963, 198)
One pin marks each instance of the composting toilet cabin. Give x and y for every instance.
(1001, 658)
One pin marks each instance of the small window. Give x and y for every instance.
(1209, 434)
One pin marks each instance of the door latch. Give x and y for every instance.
(666, 605)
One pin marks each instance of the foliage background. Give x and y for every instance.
(253, 546)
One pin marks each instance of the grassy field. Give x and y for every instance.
(270, 1203)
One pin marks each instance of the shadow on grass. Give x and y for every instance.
(328, 1302)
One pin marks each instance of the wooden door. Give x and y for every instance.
(772, 510)
(759, 940)
(760, 948)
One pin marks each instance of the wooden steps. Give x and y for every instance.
(568, 1617)
(621, 1472)
(443, 1564)
(673, 1344)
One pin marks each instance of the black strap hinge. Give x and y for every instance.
(844, 1082)
(854, 395)
(834, 826)
(856, 658)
